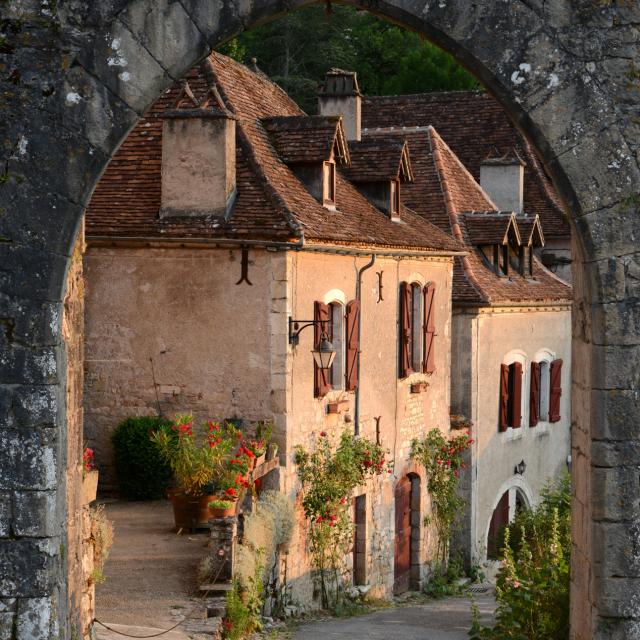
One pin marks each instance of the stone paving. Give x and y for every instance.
(151, 571)
(446, 619)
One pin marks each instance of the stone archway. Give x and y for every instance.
(75, 76)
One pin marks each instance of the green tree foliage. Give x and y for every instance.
(297, 50)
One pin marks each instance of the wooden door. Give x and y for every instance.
(499, 520)
(402, 554)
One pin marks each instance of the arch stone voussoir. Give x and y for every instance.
(76, 75)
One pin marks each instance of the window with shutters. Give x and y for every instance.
(512, 398)
(544, 391)
(336, 335)
(416, 328)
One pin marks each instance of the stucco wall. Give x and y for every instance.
(494, 336)
(208, 338)
(403, 415)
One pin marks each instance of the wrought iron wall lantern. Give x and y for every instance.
(521, 467)
(324, 353)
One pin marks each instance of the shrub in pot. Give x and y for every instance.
(200, 460)
(143, 473)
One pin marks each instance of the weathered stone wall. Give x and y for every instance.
(73, 333)
(168, 331)
(77, 75)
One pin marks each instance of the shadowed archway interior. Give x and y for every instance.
(76, 77)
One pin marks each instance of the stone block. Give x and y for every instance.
(612, 414)
(27, 567)
(28, 459)
(615, 494)
(7, 617)
(34, 619)
(616, 367)
(34, 513)
(616, 549)
(5, 515)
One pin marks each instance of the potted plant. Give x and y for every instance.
(222, 508)
(199, 462)
(89, 477)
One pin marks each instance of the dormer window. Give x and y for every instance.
(394, 199)
(329, 184)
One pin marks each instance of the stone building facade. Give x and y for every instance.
(511, 351)
(188, 310)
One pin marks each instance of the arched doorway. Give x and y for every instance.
(509, 505)
(79, 80)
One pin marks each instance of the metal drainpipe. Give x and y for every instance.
(359, 299)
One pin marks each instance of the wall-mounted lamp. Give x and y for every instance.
(521, 467)
(324, 353)
(569, 462)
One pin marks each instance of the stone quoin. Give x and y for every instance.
(75, 78)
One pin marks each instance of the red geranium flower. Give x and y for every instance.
(231, 491)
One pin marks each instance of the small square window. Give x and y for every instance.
(329, 183)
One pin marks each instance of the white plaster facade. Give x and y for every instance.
(483, 339)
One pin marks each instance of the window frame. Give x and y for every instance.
(417, 324)
(394, 199)
(338, 370)
(329, 183)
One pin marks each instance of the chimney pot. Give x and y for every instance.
(502, 178)
(339, 95)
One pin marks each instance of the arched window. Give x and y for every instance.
(337, 337)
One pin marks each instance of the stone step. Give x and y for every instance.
(216, 589)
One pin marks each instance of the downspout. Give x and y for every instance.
(359, 299)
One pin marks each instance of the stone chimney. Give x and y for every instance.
(503, 179)
(198, 157)
(340, 95)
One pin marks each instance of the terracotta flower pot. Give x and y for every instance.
(261, 459)
(220, 512)
(89, 486)
(191, 512)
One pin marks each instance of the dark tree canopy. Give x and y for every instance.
(298, 49)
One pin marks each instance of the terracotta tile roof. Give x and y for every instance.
(492, 228)
(307, 138)
(379, 158)
(271, 204)
(531, 230)
(475, 126)
(444, 192)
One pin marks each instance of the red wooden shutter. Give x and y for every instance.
(504, 397)
(405, 330)
(534, 395)
(555, 375)
(321, 386)
(353, 344)
(429, 329)
(516, 395)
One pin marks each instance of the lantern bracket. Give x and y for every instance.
(296, 327)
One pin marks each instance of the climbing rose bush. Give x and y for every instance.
(328, 475)
(442, 459)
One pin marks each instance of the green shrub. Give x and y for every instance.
(533, 584)
(142, 472)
